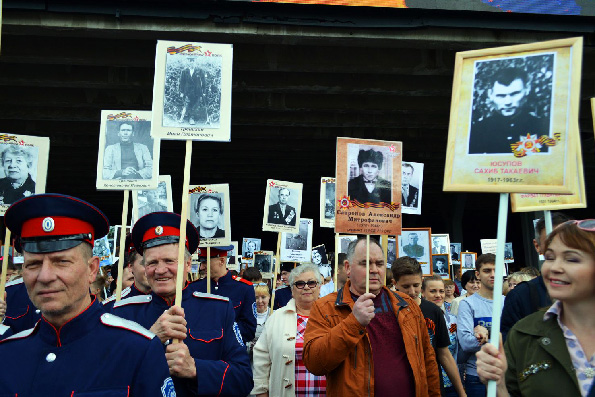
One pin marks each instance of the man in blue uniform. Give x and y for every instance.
(140, 285)
(239, 291)
(211, 359)
(21, 314)
(61, 355)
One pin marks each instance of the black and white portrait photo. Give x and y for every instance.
(128, 150)
(439, 244)
(467, 260)
(391, 252)
(249, 246)
(455, 253)
(369, 174)
(412, 175)
(327, 202)
(297, 247)
(415, 244)
(209, 213)
(18, 172)
(192, 91)
(320, 259)
(440, 264)
(512, 98)
(154, 200)
(263, 261)
(282, 206)
(232, 256)
(508, 255)
(344, 241)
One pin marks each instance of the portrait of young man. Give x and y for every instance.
(366, 184)
(126, 159)
(511, 109)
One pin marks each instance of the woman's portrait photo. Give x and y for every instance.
(209, 213)
(249, 246)
(18, 172)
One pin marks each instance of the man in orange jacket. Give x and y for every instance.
(372, 343)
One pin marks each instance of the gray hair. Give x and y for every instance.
(353, 244)
(305, 268)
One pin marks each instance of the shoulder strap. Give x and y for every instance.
(118, 322)
(210, 296)
(135, 300)
(14, 282)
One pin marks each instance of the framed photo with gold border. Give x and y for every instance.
(415, 243)
(441, 261)
(468, 260)
(512, 121)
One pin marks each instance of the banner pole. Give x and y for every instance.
(367, 263)
(208, 270)
(124, 223)
(498, 276)
(337, 245)
(385, 250)
(277, 267)
(5, 253)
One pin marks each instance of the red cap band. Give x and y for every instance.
(215, 253)
(161, 231)
(56, 226)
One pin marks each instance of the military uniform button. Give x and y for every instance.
(50, 358)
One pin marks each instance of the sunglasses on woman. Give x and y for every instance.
(302, 284)
(587, 225)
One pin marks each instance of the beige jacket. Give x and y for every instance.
(274, 354)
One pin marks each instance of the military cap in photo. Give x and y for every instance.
(54, 222)
(216, 252)
(160, 228)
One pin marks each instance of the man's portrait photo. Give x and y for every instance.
(468, 260)
(128, 150)
(438, 246)
(512, 97)
(192, 91)
(369, 173)
(283, 206)
(411, 184)
(508, 256)
(440, 264)
(249, 246)
(297, 247)
(455, 253)
(154, 200)
(415, 244)
(263, 261)
(18, 172)
(391, 252)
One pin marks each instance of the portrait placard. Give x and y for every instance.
(468, 260)
(327, 202)
(391, 250)
(412, 182)
(344, 240)
(209, 212)
(128, 157)
(282, 206)
(24, 166)
(368, 187)
(440, 244)
(297, 247)
(263, 261)
(101, 248)
(232, 257)
(320, 259)
(512, 126)
(249, 246)
(113, 238)
(415, 243)
(508, 254)
(441, 265)
(526, 202)
(488, 245)
(455, 253)
(152, 200)
(192, 91)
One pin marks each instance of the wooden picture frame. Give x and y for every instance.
(468, 264)
(415, 243)
(359, 211)
(120, 127)
(192, 91)
(537, 152)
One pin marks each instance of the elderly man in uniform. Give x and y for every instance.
(210, 358)
(239, 291)
(282, 213)
(61, 355)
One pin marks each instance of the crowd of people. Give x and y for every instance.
(408, 336)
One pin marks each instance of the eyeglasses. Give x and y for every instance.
(302, 284)
(257, 284)
(587, 225)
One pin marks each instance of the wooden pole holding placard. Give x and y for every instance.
(367, 263)
(5, 253)
(122, 246)
(183, 217)
(547, 216)
(208, 270)
(337, 246)
(277, 266)
(498, 279)
(385, 250)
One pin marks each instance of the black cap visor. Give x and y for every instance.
(53, 244)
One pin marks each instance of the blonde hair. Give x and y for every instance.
(262, 290)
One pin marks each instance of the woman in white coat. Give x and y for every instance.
(278, 366)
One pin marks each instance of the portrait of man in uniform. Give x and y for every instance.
(126, 159)
(413, 249)
(366, 185)
(152, 204)
(409, 193)
(281, 213)
(249, 246)
(512, 98)
(18, 162)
